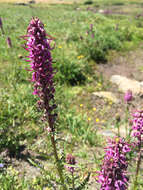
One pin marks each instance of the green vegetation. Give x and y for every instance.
(78, 49)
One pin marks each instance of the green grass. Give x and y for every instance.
(74, 60)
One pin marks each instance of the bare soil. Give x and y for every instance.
(128, 64)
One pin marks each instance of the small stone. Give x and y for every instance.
(101, 11)
(108, 133)
(109, 95)
(124, 84)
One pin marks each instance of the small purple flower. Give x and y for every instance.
(92, 35)
(113, 172)
(70, 159)
(8, 40)
(40, 60)
(128, 96)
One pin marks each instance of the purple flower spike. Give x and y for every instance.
(40, 60)
(113, 172)
(70, 159)
(137, 127)
(8, 40)
(0, 22)
(1, 25)
(128, 96)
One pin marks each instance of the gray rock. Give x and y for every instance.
(108, 95)
(108, 133)
(125, 84)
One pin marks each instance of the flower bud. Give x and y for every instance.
(128, 96)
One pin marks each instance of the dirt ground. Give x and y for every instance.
(129, 65)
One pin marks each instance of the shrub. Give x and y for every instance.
(69, 72)
(99, 41)
(88, 2)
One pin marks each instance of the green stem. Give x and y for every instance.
(138, 167)
(73, 186)
(52, 136)
(118, 126)
(126, 121)
(59, 167)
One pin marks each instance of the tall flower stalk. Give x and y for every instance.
(40, 60)
(113, 171)
(137, 130)
(1, 25)
(9, 43)
(70, 159)
(117, 124)
(128, 97)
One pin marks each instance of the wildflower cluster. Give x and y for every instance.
(41, 65)
(113, 173)
(138, 125)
